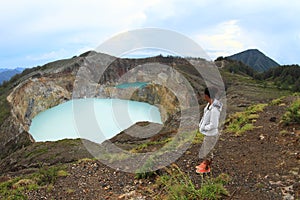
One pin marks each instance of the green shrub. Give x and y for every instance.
(292, 115)
(241, 122)
(15, 188)
(18, 187)
(284, 133)
(145, 145)
(177, 185)
(48, 175)
(198, 138)
(146, 171)
(276, 101)
(213, 191)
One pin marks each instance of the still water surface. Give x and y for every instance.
(92, 119)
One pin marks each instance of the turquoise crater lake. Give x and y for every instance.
(92, 119)
(130, 85)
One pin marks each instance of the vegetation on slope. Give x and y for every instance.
(240, 122)
(175, 184)
(292, 114)
(17, 188)
(286, 77)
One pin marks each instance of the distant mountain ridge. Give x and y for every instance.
(255, 59)
(6, 74)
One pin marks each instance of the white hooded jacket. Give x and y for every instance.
(210, 121)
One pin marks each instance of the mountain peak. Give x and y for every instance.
(255, 59)
(253, 50)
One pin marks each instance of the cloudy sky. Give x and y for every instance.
(35, 32)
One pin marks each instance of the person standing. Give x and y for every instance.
(209, 127)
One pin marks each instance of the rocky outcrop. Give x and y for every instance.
(35, 91)
(38, 94)
(12, 136)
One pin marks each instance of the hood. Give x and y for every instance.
(216, 103)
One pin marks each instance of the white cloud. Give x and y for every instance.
(70, 25)
(35, 18)
(224, 39)
(53, 55)
(38, 27)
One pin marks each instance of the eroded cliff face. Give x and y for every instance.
(38, 94)
(35, 92)
(13, 136)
